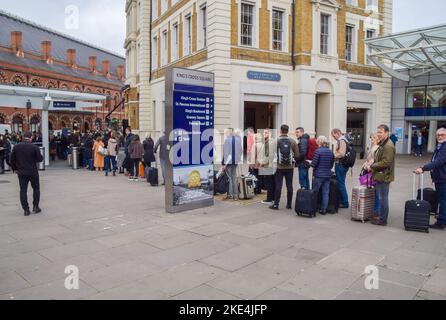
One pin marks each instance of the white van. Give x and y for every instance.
(4, 127)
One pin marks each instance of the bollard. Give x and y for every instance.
(42, 164)
(75, 157)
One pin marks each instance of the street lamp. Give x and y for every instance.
(28, 107)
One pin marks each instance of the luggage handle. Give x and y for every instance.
(420, 184)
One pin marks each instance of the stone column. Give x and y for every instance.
(432, 142)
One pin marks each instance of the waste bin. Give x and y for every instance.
(42, 164)
(75, 157)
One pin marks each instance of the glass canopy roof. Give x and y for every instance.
(423, 50)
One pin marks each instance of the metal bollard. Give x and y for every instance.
(75, 157)
(42, 164)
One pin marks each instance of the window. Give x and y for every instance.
(416, 97)
(247, 24)
(154, 9)
(164, 48)
(155, 53)
(349, 32)
(372, 5)
(436, 96)
(325, 35)
(17, 124)
(175, 42)
(163, 6)
(370, 34)
(187, 35)
(138, 58)
(203, 28)
(352, 2)
(278, 30)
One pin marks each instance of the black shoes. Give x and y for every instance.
(274, 207)
(289, 208)
(438, 226)
(37, 210)
(323, 212)
(378, 222)
(114, 173)
(27, 213)
(343, 206)
(106, 174)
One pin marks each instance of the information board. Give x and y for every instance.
(190, 131)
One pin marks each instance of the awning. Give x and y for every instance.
(422, 50)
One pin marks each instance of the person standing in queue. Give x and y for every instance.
(24, 159)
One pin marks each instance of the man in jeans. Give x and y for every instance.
(340, 169)
(383, 171)
(438, 170)
(287, 154)
(232, 156)
(303, 138)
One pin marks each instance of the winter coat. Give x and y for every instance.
(149, 155)
(136, 150)
(383, 169)
(438, 165)
(323, 162)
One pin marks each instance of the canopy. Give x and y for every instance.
(423, 50)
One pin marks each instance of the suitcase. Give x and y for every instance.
(246, 188)
(152, 176)
(70, 160)
(431, 196)
(363, 203)
(306, 203)
(417, 212)
(141, 171)
(221, 183)
(333, 201)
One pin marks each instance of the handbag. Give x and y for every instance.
(102, 151)
(366, 179)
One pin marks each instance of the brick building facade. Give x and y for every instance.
(301, 62)
(35, 56)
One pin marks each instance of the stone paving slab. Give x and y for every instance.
(127, 247)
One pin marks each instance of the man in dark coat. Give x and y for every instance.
(149, 154)
(437, 167)
(24, 159)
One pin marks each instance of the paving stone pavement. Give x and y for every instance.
(126, 247)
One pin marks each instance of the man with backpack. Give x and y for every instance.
(287, 154)
(345, 157)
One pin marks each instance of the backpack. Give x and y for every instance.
(312, 147)
(350, 156)
(286, 156)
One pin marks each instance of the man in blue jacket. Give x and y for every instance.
(438, 170)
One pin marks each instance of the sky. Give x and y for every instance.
(103, 23)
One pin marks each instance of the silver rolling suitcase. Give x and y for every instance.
(363, 202)
(246, 188)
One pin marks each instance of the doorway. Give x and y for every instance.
(322, 125)
(356, 128)
(260, 115)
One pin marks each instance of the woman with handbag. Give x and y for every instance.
(99, 154)
(112, 152)
(365, 178)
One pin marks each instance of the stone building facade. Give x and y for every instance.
(35, 56)
(301, 62)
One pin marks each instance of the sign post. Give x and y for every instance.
(190, 133)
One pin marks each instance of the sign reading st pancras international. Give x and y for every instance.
(190, 131)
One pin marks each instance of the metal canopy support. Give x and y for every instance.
(43, 99)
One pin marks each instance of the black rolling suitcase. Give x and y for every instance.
(152, 176)
(333, 200)
(306, 203)
(221, 182)
(431, 196)
(417, 212)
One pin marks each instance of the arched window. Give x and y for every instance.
(35, 123)
(3, 78)
(18, 80)
(17, 123)
(2, 119)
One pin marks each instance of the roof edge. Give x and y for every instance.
(58, 33)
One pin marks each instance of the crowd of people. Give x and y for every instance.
(272, 160)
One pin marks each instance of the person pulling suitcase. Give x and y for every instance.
(437, 167)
